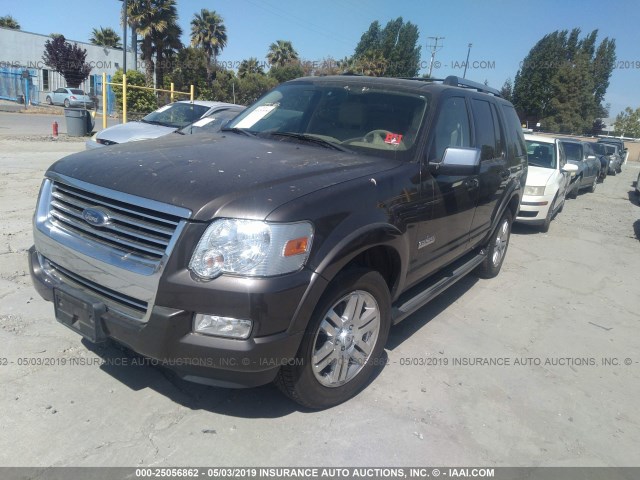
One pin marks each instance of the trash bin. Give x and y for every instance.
(79, 121)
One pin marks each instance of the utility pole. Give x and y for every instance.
(124, 38)
(434, 47)
(467, 62)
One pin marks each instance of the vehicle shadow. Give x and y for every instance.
(633, 196)
(138, 373)
(636, 228)
(524, 229)
(410, 325)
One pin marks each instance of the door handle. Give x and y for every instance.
(505, 174)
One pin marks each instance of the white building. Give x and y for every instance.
(20, 51)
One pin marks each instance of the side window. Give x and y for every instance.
(515, 142)
(499, 131)
(485, 129)
(451, 129)
(561, 156)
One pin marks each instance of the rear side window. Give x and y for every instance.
(485, 129)
(573, 151)
(451, 129)
(515, 142)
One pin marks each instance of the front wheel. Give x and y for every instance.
(343, 343)
(592, 189)
(496, 248)
(544, 228)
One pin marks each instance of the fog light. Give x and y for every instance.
(221, 326)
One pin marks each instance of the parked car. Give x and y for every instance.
(548, 181)
(580, 154)
(70, 97)
(161, 122)
(638, 185)
(611, 157)
(622, 150)
(211, 123)
(284, 247)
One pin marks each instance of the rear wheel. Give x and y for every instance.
(343, 343)
(496, 249)
(66, 102)
(48, 100)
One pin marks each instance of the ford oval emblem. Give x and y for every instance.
(95, 217)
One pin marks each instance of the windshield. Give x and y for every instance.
(573, 151)
(354, 117)
(211, 123)
(541, 154)
(176, 115)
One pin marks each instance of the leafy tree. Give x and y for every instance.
(105, 37)
(286, 72)
(281, 53)
(252, 86)
(9, 22)
(507, 90)
(627, 123)
(563, 80)
(250, 66)
(151, 18)
(209, 33)
(167, 45)
(139, 102)
(392, 51)
(66, 59)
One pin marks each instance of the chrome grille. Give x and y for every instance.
(131, 229)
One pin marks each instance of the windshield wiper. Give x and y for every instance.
(240, 131)
(154, 122)
(311, 139)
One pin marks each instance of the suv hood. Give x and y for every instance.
(222, 175)
(134, 131)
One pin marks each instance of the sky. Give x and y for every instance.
(501, 31)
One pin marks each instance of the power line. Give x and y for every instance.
(434, 48)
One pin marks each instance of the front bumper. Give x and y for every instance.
(534, 209)
(167, 336)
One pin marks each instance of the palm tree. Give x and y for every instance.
(209, 33)
(281, 53)
(250, 66)
(166, 45)
(9, 22)
(151, 19)
(105, 37)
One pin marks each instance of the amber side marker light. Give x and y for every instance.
(296, 246)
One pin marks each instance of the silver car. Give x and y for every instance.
(161, 122)
(69, 97)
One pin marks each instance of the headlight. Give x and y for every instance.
(534, 191)
(252, 248)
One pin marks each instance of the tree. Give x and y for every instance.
(507, 90)
(105, 37)
(392, 51)
(281, 53)
(166, 46)
(209, 33)
(252, 86)
(250, 66)
(563, 79)
(627, 123)
(151, 18)
(139, 101)
(286, 72)
(66, 59)
(9, 22)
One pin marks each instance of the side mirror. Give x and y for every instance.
(570, 168)
(591, 157)
(458, 161)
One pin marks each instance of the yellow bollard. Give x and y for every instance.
(124, 98)
(104, 100)
(192, 93)
(171, 92)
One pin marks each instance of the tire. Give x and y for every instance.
(544, 228)
(592, 189)
(48, 100)
(319, 379)
(496, 248)
(66, 103)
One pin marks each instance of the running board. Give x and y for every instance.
(443, 281)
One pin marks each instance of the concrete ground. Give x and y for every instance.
(537, 367)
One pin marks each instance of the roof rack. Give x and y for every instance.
(463, 82)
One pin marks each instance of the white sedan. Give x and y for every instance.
(548, 177)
